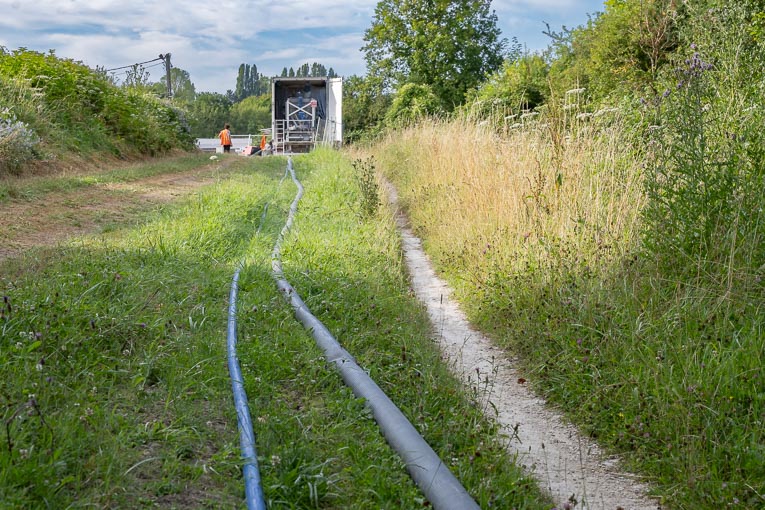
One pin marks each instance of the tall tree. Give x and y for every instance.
(247, 82)
(180, 83)
(449, 45)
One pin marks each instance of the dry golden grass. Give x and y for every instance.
(517, 193)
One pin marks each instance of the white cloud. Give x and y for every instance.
(209, 39)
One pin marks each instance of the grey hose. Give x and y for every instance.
(431, 475)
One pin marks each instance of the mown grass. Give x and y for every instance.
(541, 235)
(116, 393)
(35, 187)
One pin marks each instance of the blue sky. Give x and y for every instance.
(210, 39)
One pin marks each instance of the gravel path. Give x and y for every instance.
(570, 466)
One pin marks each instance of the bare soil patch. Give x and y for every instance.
(58, 216)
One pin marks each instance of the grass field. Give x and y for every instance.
(115, 390)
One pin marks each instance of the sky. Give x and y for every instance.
(210, 39)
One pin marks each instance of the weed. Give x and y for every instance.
(366, 179)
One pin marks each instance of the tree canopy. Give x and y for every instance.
(249, 82)
(307, 71)
(448, 45)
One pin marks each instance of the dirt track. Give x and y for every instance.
(61, 215)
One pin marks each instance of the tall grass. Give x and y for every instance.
(541, 228)
(490, 200)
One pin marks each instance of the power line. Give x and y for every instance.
(161, 57)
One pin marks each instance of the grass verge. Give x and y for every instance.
(30, 188)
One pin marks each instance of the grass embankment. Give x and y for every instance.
(541, 235)
(116, 393)
(58, 113)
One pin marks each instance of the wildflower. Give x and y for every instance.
(276, 460)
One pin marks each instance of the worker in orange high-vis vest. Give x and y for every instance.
(225, 138)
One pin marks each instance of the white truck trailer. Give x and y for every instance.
(306, 112)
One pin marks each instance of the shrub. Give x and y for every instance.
(73, 108)
(17, 142)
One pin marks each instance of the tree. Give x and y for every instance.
(180, 83)
(364, 106)
(621, 49)
(247, 82)
(448, 45)
(412, 102)
(208, 113)
(251, 114)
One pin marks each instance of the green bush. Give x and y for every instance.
(412, 102)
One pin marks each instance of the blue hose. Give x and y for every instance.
(252, 488)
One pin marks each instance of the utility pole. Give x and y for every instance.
(166, 56)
